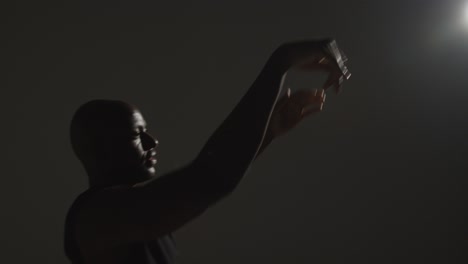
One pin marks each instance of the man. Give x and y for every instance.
(128, 215)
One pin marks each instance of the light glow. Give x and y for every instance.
(465, 14)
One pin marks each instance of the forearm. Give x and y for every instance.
(237, 141)
(267, 139)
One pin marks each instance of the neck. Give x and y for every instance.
(100, 177)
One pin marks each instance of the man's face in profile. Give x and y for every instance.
(129, 149)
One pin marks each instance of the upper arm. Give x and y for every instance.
(124, 214)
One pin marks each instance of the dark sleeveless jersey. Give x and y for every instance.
(158, 251)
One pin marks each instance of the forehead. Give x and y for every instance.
(136, 119)
(124, 119)
(124, 125)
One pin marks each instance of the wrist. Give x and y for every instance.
(269, 136)
(278, 61)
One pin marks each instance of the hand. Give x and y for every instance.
(313, 55)
(292, 108)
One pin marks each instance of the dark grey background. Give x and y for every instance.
(377, 177)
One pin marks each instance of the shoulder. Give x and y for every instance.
(78, 218)
(70, 243)
(81, 199)
(81, 209)
(77, 206)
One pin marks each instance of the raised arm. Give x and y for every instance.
(154, 208)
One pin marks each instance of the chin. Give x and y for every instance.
(148, 172)
(151, 172)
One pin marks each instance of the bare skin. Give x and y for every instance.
(135, 206)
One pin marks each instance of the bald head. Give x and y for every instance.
(94, 122)
(110, 136)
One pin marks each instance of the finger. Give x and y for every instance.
(311, 103)
(306, 97)
(339, 84)
(310, 111)
(323, 65)
(331, 80)
(344, 58)
(336, 62)
(317, 97)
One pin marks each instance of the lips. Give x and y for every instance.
(150, 155)
(150, 159)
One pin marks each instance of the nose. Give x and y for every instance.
(148, 142)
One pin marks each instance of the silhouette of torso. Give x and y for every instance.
(159, 251)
